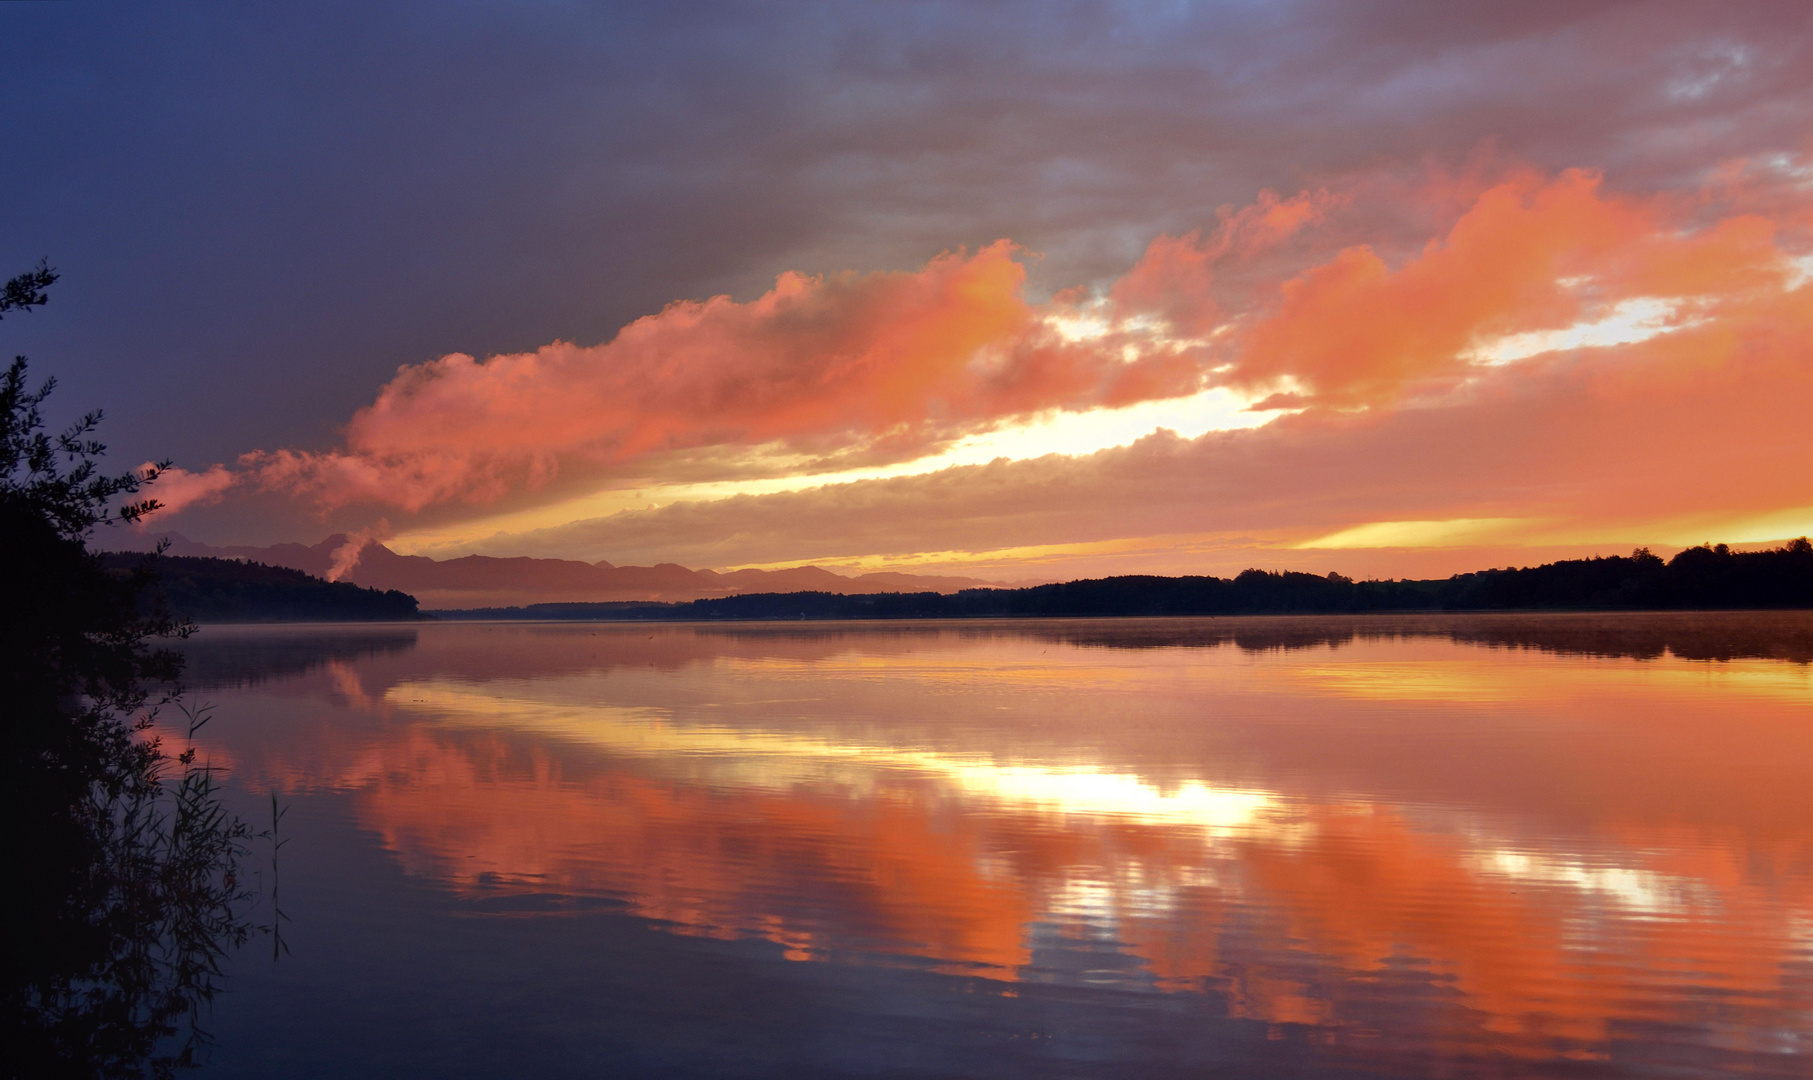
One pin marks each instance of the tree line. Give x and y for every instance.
(207, 589)
(1709, 577)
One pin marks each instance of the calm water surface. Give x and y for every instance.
(1513, 846)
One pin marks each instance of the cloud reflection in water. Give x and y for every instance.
(1018, 809)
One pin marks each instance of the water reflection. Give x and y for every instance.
(249, 655)
(1419, 841)
(1690, 635)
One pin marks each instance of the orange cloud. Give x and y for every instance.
(1708, 419)
(1174, 280)
(817, 363)
(1557, 351)
(1530, 254)
(889, 365)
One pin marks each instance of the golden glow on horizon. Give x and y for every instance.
(1732, 528)
(1183, 553)
(1456, 532)
(1744, 529)
(1034, 556)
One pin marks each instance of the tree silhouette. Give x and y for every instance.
(119, 861)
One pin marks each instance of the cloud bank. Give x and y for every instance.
(262, 210)
(891, 364)
(883, 367)
(1556, 354)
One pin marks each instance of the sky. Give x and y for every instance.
(1021, 291)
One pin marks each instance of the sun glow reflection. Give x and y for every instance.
(1014, 808)
(1158, 867)
(778, 761)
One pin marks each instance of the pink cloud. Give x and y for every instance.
(815, 364)
(174, 489)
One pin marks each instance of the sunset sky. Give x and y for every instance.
(1018, 291)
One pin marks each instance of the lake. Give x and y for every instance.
(1564, 845)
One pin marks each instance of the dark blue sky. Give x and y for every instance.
(260, 211)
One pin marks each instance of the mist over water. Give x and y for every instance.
(1497, 845)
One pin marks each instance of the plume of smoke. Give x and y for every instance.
(346, 556)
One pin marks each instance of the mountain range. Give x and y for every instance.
(487, 581)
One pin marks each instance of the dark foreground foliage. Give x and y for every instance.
(119, 863)
(208, 590)
(1698, 579)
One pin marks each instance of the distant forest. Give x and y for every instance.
(227, 590)
(1701, 578)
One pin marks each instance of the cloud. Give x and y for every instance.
(886, 365)
(175, 489)
(1533, 254)
(1555, 354)
(1624, 440)
(893, 363)
(1174, 281)
(513, 175)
